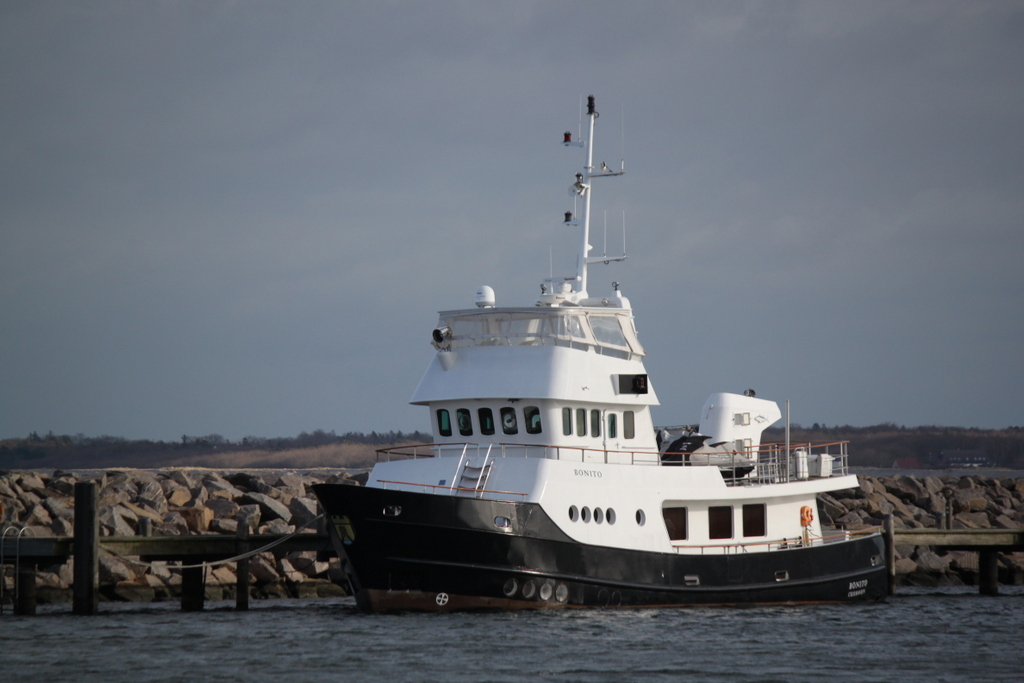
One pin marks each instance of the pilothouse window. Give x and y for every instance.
(508, 421)
(532, 416)
(444, 423)
(465, 422)
(486, 421)
(607, 331)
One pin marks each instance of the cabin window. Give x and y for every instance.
(675, 522)
(465, 422)
(754, 520)
(444, 422)
(606, 330)
(486, 421)
(508, 421)
(612, 432)
(595, 422)
(567, 421)
(532, 416)
(720, 521)
(581, 421)
(628, 427)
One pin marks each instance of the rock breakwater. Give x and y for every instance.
(176, 503)
(193, 501)
(975, 502)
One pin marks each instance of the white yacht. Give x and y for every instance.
(547, 484)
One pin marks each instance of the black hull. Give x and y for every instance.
(405, 550)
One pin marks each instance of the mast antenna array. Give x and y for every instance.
(581, 190)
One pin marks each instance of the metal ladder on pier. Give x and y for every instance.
(11, 532)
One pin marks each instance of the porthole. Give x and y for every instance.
(392, 510)
(641, 518)
(502, 522)
(510, 588)
(610, 516)
(585, 514)
(562, 593)
(545, 592)
(574, 514)
(598, 515)
(529, 589)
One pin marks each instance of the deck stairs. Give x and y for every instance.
(473, 474)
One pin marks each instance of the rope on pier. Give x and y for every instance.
(236, 558)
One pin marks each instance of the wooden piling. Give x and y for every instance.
(25, 590)
(193, 588)
(890, 552)
(86, 582)
(988, 572)
(242, 570)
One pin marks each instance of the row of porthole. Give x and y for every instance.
(585, 515)
(530, 590)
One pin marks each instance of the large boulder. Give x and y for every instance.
(304, 510)
(971, 499)
(269, 507)
(223, 508)
(261, 570)
(151, 496)
(249, 515)
(115, 570)
(224, 526)
(971, 520)
(176, 494)
(219, 487)
(173, 525)
(928, 561)
(197, 519)
(113, 523)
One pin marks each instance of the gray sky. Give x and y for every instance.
(241, 218)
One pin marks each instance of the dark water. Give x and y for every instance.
(920, 635)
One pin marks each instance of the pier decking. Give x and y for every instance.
(987, 542)
(26, 551)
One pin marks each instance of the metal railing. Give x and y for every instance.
(828, 536)
(769, 464)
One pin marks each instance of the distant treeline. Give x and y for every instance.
(877, 446)
(52, 450)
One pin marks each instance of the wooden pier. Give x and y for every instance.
(987, 542)
(26, 552)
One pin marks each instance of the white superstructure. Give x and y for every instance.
(551, 404)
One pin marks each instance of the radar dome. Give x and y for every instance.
(484, 297)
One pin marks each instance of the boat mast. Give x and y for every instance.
(582, 188)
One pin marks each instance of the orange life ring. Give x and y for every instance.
(806, 516)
